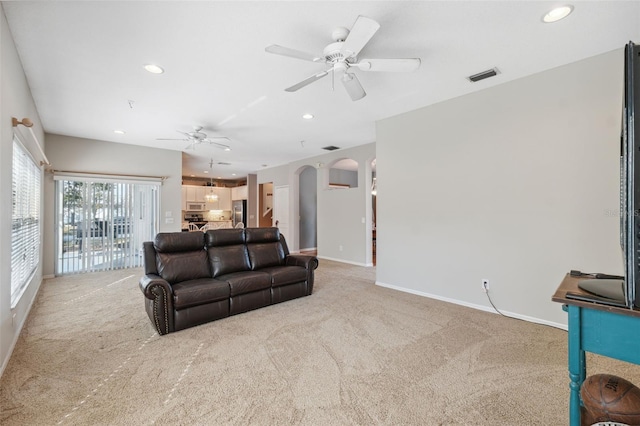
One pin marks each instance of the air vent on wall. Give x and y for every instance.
(330, 148)
(224, 164)
(484, 74)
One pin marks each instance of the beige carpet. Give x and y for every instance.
(350, 354)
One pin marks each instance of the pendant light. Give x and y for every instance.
(211, 197)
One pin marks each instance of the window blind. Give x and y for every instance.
(25, 220)
(102, 223)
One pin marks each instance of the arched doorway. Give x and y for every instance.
(308, 209)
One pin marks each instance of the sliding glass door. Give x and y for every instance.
(101, 224)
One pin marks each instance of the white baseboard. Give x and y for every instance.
(18, 329)
(474, 306)
(344, 261)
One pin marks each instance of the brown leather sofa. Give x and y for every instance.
(192, 277)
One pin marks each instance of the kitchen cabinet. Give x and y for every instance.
(239, 193)
(190, 192)
(194, 193)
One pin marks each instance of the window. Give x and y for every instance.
(102, 222)
(25, 220)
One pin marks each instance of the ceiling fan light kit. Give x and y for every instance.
(342, 55)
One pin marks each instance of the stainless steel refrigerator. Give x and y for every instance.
(239, 210)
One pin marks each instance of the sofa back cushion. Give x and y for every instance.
(227, 251)
(224, 237)
(264, 247)
(228, 259)
(181, 256)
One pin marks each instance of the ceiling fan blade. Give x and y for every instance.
(307, 81)
(360, 34)
(388, 65)
(165, 139)
(293, 53)
(220, 145)
(211, 141)
(353, 86)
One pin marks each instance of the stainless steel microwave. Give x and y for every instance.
(195, 206)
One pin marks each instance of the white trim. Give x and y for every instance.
(344, 261)
(18, 329)
(474, 306)
(107, 178)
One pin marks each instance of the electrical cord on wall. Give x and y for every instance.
(486, 290)
(494, 306)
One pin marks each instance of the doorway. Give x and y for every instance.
(265, 205)
(102, 225)
(374, 199)
(308, 209)
(281, 210)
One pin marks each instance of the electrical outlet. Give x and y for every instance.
(485, 285)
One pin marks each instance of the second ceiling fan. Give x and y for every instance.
(342, 57)
(198, 137)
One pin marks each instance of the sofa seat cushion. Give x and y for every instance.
(198, 292)
(246, 281)
(284, 275)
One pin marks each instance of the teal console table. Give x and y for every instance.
(600, 329)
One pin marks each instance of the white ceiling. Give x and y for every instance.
(84, 62)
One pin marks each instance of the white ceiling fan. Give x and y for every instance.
(197, 137)
(342, 56)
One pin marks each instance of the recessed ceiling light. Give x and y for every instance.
(233, 174)
(205, 171)
(119, 132)
(307, 116)
(154, 69)
(557, 14)
(227, 149)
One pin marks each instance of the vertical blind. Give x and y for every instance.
(25, 220)
(102, 224)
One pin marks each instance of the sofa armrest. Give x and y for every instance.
(149, 282)
(160, 303)
(310, 263)
(306, 261)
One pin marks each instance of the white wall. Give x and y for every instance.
(340, 211)
(87, 155)
(15, 101)
(511, 184)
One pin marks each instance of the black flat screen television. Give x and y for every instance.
(626, 293)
